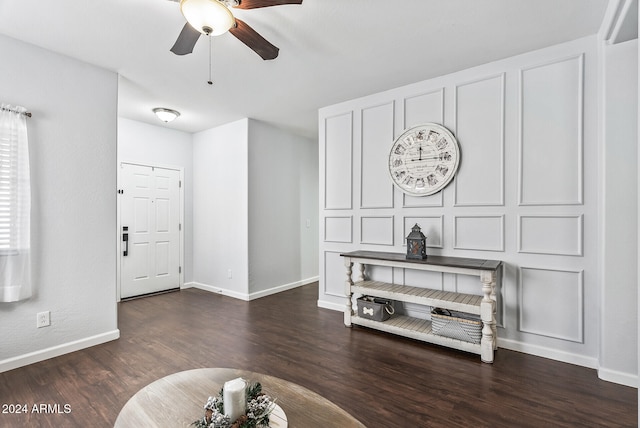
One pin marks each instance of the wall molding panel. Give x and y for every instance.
(480, 130)
(484, 233)
(376, 189)
(338, 229)
(338, 162)
(553, 235)
(424, 108)
(376, 230)
(551, 132)
(333, 275)
(560, 317)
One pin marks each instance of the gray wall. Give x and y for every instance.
(283, 183)
(220, 209)
(253, 188)
(72, 137)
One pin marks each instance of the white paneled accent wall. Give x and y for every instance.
(551, 132)
(377, 230)
(338, 152)
(559, 317)
(525, 193)
(338, 229)
(376, 189)
(479, 232)
(479, 118)
(562, 235)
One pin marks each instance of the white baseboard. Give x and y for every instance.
(251, 296)
(220, 290)
(56, 351)
(621, 378)
(552, 354)
(330, 305)
(281, 288)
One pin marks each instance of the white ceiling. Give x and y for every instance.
(330, 50)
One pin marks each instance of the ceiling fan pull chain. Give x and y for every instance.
(210, 54)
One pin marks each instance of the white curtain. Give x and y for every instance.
(15, 205)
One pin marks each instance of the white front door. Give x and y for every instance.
(150, 224)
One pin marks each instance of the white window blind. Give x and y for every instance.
(8, 191)
(15, 205)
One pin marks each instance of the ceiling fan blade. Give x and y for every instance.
(255, 41)
(186, 40)
(254, 4)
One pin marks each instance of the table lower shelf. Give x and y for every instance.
(415, 328)
(469, 303)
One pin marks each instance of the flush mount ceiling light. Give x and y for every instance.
(210, 17)
(165, 114)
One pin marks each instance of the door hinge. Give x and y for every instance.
(179, 226)
(180, 183)
(179, 269)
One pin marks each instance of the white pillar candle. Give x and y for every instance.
(235, 398)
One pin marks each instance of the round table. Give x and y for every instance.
(177, 400)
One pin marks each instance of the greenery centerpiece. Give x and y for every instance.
(259, 408)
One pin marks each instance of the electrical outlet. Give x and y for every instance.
(229, 274)
(43, 319)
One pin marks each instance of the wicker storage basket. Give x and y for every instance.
(456, 325)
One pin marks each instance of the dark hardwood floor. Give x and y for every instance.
(381, 379)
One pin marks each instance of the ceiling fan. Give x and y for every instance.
(214, 17)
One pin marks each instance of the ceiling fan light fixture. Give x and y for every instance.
(210, 17)
(165, 114)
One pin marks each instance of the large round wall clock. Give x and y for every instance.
(424, 159)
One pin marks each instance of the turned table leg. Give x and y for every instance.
(494, 326)
(488, 314)
(348, 311)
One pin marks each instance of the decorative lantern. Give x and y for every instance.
(416, 244)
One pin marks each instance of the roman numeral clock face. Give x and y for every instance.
(424, 159)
